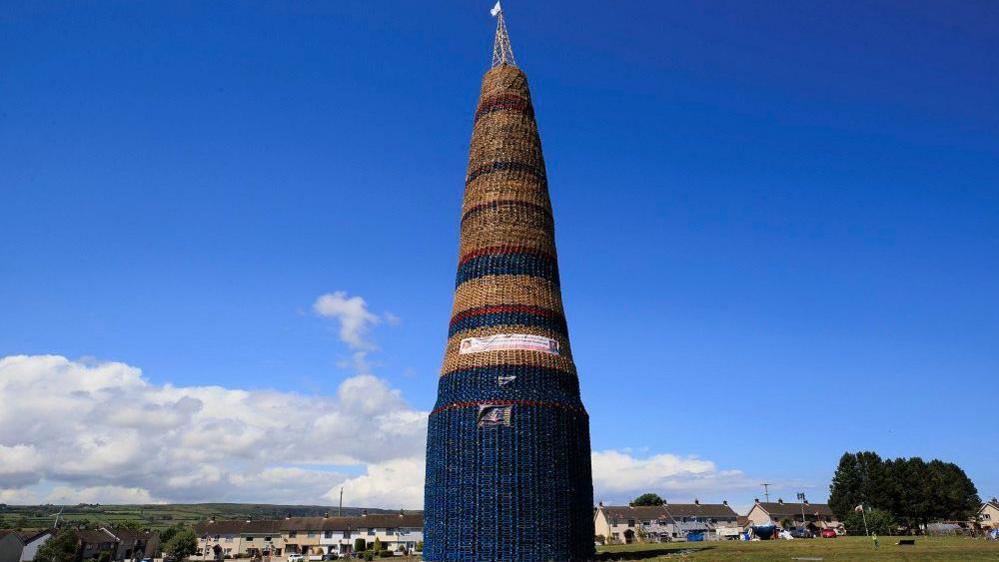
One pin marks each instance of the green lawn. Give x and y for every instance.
(844, 548)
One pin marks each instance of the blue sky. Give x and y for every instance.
(778, 225)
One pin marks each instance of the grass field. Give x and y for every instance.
(844, 548)
(155, 516)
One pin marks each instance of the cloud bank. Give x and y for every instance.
(76, 431)
(101, 432)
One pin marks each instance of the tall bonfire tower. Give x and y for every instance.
(508, 450)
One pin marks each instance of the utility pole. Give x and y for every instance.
(340, 510)
(766, 490)
(801, 498)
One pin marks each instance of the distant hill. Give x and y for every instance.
(159, 516)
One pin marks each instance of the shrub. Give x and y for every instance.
(360, 545)
(369, 556)
(419, 546)
(600, 539)
(384, 553)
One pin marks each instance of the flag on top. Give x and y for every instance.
(496, 9)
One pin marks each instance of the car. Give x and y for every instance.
(802, 533)
(829, 533)
(296, 558)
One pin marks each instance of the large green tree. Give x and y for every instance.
(182, 544)
(914, 491)
(860, 478)
(648, 499)
(60, 548)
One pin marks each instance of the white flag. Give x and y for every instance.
(496, 9)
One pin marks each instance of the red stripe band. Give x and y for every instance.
(506, 309)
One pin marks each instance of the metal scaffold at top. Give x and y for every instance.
(502, 51)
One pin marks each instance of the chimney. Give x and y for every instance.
(780, 501)
(326, 515)
(364, 513)
(287, 516)
(601, 504)
(757, 500)
(724, 502)
(211, 518)
(697, 501)
(806, 502)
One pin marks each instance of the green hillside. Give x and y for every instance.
(156, 516)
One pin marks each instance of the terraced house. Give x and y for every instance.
(666, 523)
(312, 537)
(815, 516)
(21, 546)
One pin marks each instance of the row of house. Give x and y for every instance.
(104, 542)
(313, 537)
(699, 521)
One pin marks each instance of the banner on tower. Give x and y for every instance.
(508, 342)
(493, 415)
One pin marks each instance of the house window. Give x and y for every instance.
(267, 539)
(371, 532)
(292, 534)
(311, 533)
(250, 539)
(390, 531)
(328, 535)
(631, 522)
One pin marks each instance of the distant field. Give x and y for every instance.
(841, 549)
(157, 516)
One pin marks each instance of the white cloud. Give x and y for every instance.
(101, 432)
(395, 483)
(352, 313)
(619, 476)
(73, 431)
(99, 494)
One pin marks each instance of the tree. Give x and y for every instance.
(360, 545)
(169, 532)
(60, 548)
(648, 499)
(914, 491)
(182, 544)
(860, 478)
(378, 545)
(879, 522)
(952, 493)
